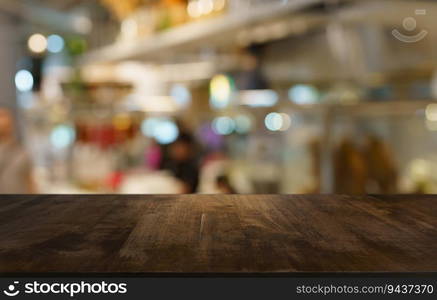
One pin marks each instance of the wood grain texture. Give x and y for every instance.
(206, 233)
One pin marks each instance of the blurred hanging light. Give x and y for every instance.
(24, 81)
(37, 43)
(62, 136)
(223, 125)
(221, 88)
(303, 94)
(55, 43)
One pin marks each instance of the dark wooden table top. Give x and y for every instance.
(205, 233)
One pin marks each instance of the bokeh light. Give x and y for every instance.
(198, 8)
(273, 121)
(55, 43)
(37, 43)
(419, 169)
(223, 125)
(303, 94)
(277, 121)
(209, 137)
(167, 132)
(148, 126)
(221, 89)
(62, 136)
(206, 6)
(163, 130)
(24, 81)
(431, 112)
(286, 122)
(122, 122)
(76, 45)
(193, 9)
(181, 94)
(259, 98)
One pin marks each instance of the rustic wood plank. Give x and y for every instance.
(217, 233)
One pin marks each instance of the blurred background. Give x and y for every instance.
(218, 96)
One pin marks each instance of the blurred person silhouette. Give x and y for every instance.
(181, 160)
(15, 164)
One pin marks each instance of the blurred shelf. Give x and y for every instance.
(221, 30)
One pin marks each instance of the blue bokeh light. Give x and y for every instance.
(163, 130)
(303, 94)
(223, 125)
(24, 81)
(62, 136)
(55, 43)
